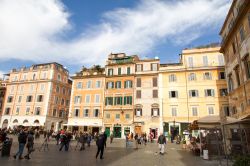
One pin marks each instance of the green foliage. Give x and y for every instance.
(242, 161)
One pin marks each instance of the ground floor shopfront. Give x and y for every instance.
(118, 130)
(174, 128)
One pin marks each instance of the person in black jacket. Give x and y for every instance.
(100, 142)
(162, 141)
(30, 144)
(22, 139)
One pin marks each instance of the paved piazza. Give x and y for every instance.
(115, 155)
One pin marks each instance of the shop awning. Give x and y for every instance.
(211, 121)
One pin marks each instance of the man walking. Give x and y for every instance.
(22, 138)
(100, 145)
(30, 144)
(162, 141)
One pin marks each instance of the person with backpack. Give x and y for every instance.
(162, 141)
(22, 139)
(30, 144)
(64, 141)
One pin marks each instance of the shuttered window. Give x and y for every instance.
(155, 93)
(155, 82)
(138, 94)
(138, 82)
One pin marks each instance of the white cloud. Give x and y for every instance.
(35, 29)
(1, 74)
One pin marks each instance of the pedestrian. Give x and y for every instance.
(30, 144)
(81, 141)
(57, 138)
(64, 141)
(136, 141)
(162, 141)
(89, 139)
(111, 138)
(105, 137)
(22, 139)
(100, 145)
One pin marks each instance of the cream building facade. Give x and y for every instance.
(37, 96)
(194, 88)
(147, 114)
(87, 98)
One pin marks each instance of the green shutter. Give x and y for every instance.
(121, 100)
(130, 100)
(106, 101)
(115, 100)
(125, 100)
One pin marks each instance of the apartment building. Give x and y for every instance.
(193, 88)
(37, 96)
(2, 95)
(235, 44)
(87, 98)
(147, 113)
(119, 94)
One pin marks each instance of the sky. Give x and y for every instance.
(80, 33)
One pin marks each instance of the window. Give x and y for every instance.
(27, 111)
(221, 60)
(210, 110)
(10, 99)
(223, 92)
(205, 61)
(57, 89)
(86, 112)
(17, 110)
(237, 75)
(97, 98)
(138, 94)
(193, 93)
(233, 47)
(209, 92)
(79, 85)
(89, 84)
(7, 111)
(110, 72)
(230, 83)
(117, 116)
(118, 100)
(174, 111)
(155, 82)
(226, 111)
(34, 76)
(128, 84)
(234, 110)
(155, 112)
(194, 111)
(109, 101)
(138, 82)
(44, 75)
(64, 91)
(59, 77)
(107, 116)
(222, 76)
(29, 99)
(110, 85)
(172, 78)
(67, 102)
(154, 66)
(39, 98)
(138, 112)
(56, 99)
(173, 94)
(119, 71)
(38, 111)
(61, 113)
(247, 66)
(78, 99)
(190, 62)
(87, 99)
(242, 34)
(192, 77)
(96, 113)
(128, 71)
(76, 112)
(98, 84)
(54, 112)
(155, 93)
(128, 100)
(127, 116)
(118, 84)
(42, 87)
(207, 76)
(139, 67)
(62, 102)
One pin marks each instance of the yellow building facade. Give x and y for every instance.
(86, 107)
(193, 88)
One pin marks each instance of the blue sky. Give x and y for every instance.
(83, 32)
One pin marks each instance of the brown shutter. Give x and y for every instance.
(138, 82)
(138, 94)
(155, 93)
(154, 81)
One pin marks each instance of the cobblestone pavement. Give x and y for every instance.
(115, 155)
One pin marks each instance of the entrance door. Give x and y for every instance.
(126, 130)
(138, 130)
(174, 131)
(75, 128)
(117, 132)
(107, 131)
(95, 130)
